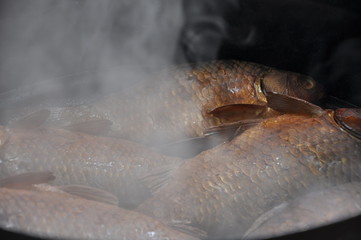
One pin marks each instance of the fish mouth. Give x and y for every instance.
(349, 119)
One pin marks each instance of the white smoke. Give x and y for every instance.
(79, 48)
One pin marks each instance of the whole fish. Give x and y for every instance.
(49, 212)
(111, 164)
(182, 102)
(224, 189)
(309, 211)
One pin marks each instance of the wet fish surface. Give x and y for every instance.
(309, 211)
(223, 190)
(177, 103)
(114, 165)
(55, 214)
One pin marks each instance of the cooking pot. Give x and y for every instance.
(60, 53)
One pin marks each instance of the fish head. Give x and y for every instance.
(349, 119)
(292, 84)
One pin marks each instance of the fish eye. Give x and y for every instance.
(309, 84)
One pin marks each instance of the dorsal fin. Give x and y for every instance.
(188, 229)
(90, 193)
(94, 127)
(287, 104)
(32, 121)
(26, 180)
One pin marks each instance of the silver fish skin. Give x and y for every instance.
(55, 214)
(309, 211)
(114, 165)
(225, 189)
(175, 103)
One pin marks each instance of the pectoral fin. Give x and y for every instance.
(188, 229)
(230, 130)
(32, 121)
(159, 177)
(287, 104)
(190, 147)
(94, 127)
(237, 112)
(90, 193)
(213, 136)
(264, 218)
(26, 180)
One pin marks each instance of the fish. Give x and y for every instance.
(225, 189)
(314, 209)
(47, 211)
(115, 165)
(181, 102)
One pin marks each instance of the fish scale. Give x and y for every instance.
(175, 103)
(262, 179)
(315, 209)
(112, 164)
(61, 215)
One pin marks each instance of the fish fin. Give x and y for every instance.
(227, 128)
(287, 104)
(90, 193)
(94, 127)
(32, 121)
(235, 112)
(188, 229)
(155, 179)
(230, 130)
(190, 147)
(263, 219)
(26, 180)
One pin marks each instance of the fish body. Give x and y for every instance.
(309, 211)
(224, 189)
(114, 165)
(55, 214)
(176, 103)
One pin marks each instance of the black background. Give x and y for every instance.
(319, 38)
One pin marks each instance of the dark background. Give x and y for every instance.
(321, 38)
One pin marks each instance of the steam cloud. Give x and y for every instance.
(62, 52)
